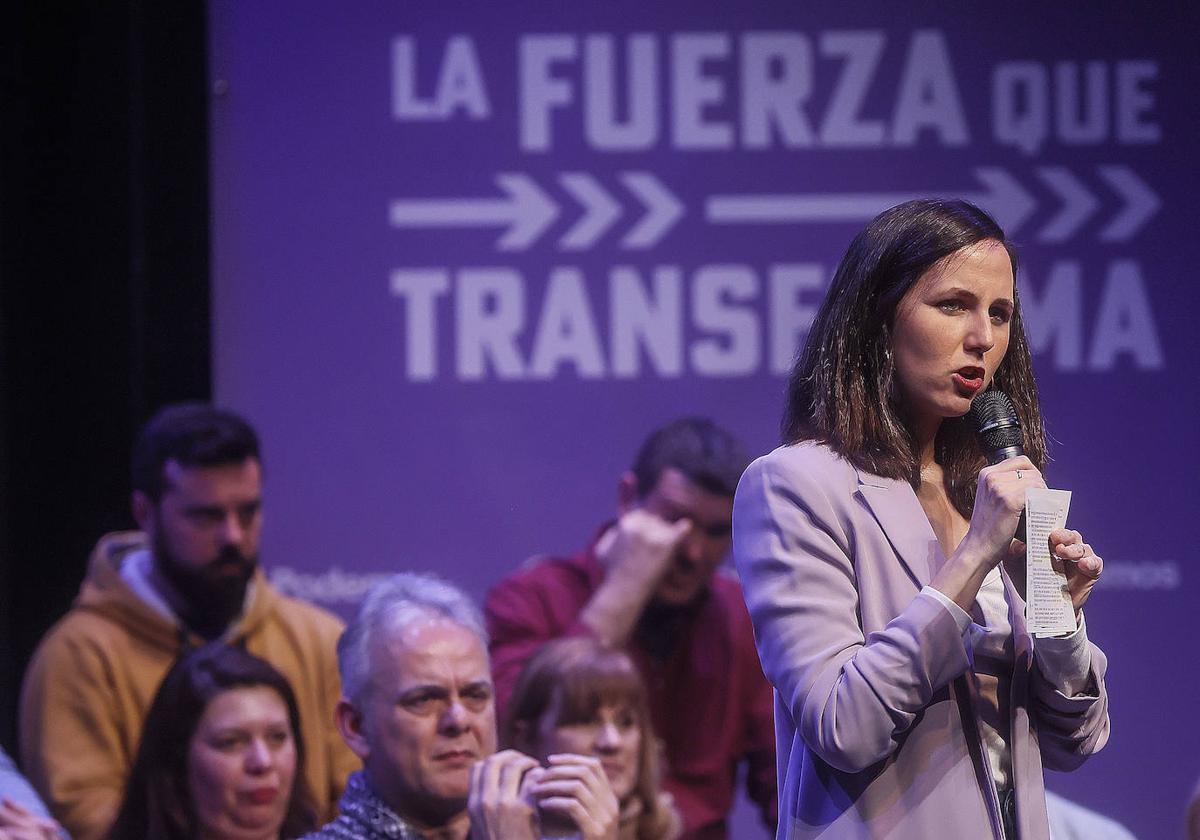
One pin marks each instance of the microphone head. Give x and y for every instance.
(996, 426)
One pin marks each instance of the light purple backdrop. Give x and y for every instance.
(468, 254)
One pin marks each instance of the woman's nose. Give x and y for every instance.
(607, 738)
(258, 756)
(981, 335)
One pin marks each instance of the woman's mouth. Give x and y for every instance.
(613, 768)
(262, 796)
(968, 380)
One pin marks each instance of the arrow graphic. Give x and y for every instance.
(1008, 202)
(600, 211)
(526, 211)
(1141, 203)
(663, 210)
(1078, 204)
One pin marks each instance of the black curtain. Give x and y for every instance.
(104, 292)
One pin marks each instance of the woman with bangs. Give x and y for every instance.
(577, 700)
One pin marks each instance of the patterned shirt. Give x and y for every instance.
(364, 816)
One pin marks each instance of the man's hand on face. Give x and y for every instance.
(500, 803)
(639, 549)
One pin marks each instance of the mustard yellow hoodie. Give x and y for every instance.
(94, 675)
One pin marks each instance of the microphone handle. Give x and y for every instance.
(995, 457)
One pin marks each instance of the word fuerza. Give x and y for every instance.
(768, 89)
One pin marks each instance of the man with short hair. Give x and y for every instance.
(648, 583)
(418, 710)
(189, 576)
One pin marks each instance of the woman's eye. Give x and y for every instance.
(950, 306)
(1001, 316)
(279, 737)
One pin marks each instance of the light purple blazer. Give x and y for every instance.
(874, 706)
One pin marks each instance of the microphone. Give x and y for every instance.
(998, 432)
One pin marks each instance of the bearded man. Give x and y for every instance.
(189, 576)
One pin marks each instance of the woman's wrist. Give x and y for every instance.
(961, 576)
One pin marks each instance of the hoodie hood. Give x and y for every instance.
(106, 593)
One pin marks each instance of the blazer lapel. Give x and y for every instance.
(895, 507)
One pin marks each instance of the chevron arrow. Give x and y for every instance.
(525, 210)
(1078, 204)
(663, 210)
(600, 211)
(1141, 203)
(1002, 196)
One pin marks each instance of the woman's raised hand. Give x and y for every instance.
(576, 787)
(999, 501)
(1082, 565)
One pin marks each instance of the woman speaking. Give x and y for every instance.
(911, 701)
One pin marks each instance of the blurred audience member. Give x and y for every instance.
(220, 758)
(19, 823)
(189, 576)
(23, 815)
(577, 696)
(418, 711)
(1193, 816)
(648, 583)
(416, 708)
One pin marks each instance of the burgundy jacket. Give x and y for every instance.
(709, 702)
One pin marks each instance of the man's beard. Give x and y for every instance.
(213, 595)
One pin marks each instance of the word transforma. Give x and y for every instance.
(723, 320)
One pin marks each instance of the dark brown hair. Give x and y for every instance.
(158, 804)
(841, 388)
(572, 678)
(195, 435)
(706, 454)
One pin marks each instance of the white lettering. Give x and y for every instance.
(655, 325)
(1019, 105)
(420, 289)
(738, 354)
(791, 318)
(1133, 102)
(460, 82)
(776, 82)
(861, 51)
(729, 325)
(490, 312)
(406, 103)
(1125, 323)
(540, 91)
(1056, 316)
(693, 91)
(928, 95)
(604, 130)
(1081, 118)
(566, 332)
